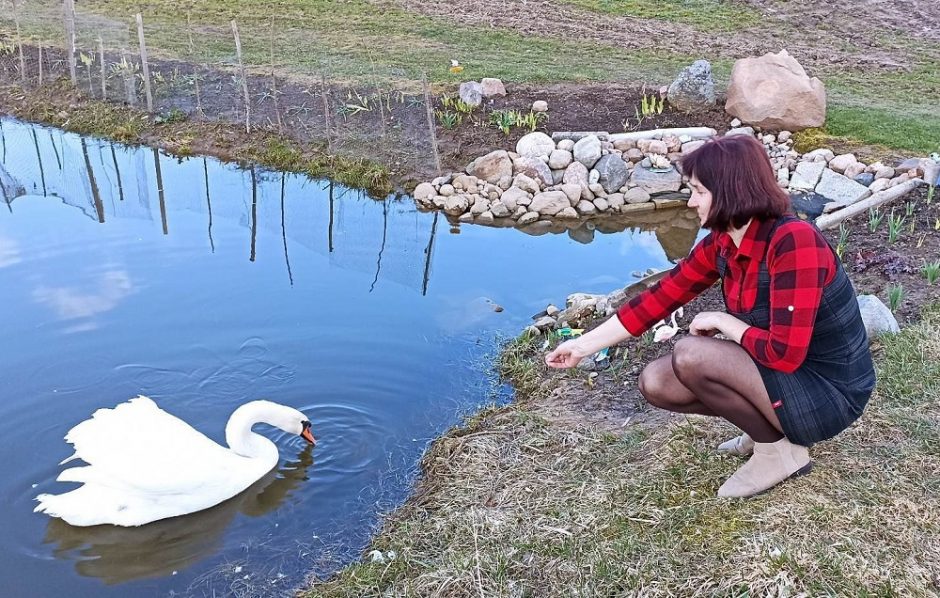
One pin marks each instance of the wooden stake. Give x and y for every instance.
(375, 84)
(192, 53)
(39, 46)
(69, 6)
(143, 61)
(19, 44)
(241, 69)
(277, 110)
(326, 114)
(104, 85)
(431, 129)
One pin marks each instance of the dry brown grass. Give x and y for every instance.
(517, 504)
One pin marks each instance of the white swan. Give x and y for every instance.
(664, 331)
(145, 464)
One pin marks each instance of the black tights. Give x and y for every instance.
(712, 377)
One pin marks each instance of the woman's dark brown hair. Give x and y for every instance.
(738, 173)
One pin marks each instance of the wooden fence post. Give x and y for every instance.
(241, 69)
(143, 61)
(431, 129)
(39, 47)
(277, 109)
(69, 6)
(326, 114)
(192, 54)
(19, 44)
(104, 88)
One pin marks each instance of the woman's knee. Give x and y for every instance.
(652, 385)
(688, 358)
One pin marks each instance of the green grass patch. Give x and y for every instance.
(911, 132)
(707, 15)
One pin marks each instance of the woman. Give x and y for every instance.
(795, 368)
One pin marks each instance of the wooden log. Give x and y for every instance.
(827, 221)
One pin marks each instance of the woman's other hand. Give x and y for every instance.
(709, 323)
(566, 355)
(706, 323)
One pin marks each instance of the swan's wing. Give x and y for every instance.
(138, 446)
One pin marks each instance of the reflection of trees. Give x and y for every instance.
(120, 554)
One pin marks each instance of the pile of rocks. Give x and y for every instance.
(841, 179)
(568, 176)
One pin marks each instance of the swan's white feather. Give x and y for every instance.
(143, 465)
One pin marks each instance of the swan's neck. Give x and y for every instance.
(243, 441)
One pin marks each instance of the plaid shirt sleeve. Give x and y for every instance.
(800, 264)
(690, 277)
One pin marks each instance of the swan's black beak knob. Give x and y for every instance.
(307, 434)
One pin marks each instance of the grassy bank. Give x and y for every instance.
(58, 105)
(519, 503)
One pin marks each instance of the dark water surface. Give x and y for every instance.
(202, 285)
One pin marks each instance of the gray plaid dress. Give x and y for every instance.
(830, 389)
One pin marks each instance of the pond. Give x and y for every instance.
(204, 285)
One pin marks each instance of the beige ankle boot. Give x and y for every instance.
(739, 445)
(772, 463)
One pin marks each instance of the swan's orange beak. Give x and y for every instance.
(308, 435)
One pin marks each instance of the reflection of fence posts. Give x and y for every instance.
(159, 174)
(254, 212)
(427, 105)
(42, 172)
(96, 197)
(104, 89)
(55, 150)
(205, 170)
(69, 6)
(143, 61)
(290, 274)
(427, 253)
(241, 71)
(117, 171)
(330, 229)
(19, 44)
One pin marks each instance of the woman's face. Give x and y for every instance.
(701, 199)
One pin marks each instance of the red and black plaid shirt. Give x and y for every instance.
(800, 264)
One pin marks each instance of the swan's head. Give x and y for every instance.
(286, 418)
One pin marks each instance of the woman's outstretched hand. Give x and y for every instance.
(566, 355)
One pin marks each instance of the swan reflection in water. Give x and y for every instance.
(121, 554)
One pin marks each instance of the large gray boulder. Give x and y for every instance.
(535, 169)
(471, 92)
(587, 150)
(877, 317)
(773, 91)
(613, 172)
(535, 145)
(549, 203)
(694, 88)
(656, 182)
(491, 167)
